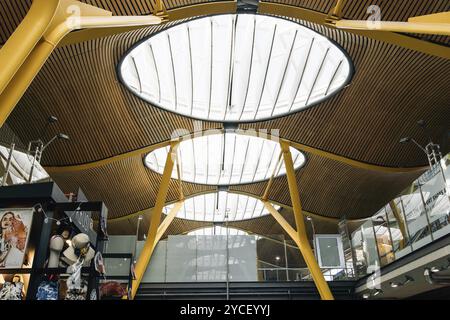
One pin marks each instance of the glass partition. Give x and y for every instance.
(398, 228)
(416, 216)
(383, 237)
(370, 246)
(359, 253)
(437, 205)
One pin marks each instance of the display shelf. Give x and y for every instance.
(54, 204)
(42, 271)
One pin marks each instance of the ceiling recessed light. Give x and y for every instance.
(236, 68)
(377, 292)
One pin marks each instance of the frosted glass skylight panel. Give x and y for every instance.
(20, 167)
(221, 206)
(225, 159)
(230, 67)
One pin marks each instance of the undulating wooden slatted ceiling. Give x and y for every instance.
(387, 96)
(327, 187)
(365, 121)
(265, 225)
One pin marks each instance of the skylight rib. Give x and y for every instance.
(235, 68)
(211, 67)
(284, 73)
(222, 202)
(225, 159)
(317, 76)
(303, 73)
(156, 72)
(268, 171)
(231, 69)
(173, 73)
(250, 69)
(191, 69)
(232, 162)
(267, 70)
(245, 158)
(332, 78)
(137, 74)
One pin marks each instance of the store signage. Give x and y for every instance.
(83, 219)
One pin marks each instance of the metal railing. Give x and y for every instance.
(303, 274)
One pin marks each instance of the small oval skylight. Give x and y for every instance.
(235, 68)
(225, 159)
(220, 207)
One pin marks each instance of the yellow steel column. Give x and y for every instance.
(282, 222)
(167, 222)
(337, 10)
(400, 221)
(394, 26)
(147, 251)
(24, 38)
(304, 246)
(63, 23)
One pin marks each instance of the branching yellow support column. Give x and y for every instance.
(150, 243)
(70, 15)
(400, 221)
(24, 39)
(394, 26)
(305, 248)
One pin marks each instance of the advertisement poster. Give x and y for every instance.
(15, 225)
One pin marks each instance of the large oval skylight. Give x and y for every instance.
(225, 159)
(242, 67)
(220, 207)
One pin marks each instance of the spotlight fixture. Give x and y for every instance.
(52, 119)
(405, 140)
(63, 136)
(277, 258)
(308, 218)
(397, 284)
(435, 269)
(408, 280)
(377, 292)
(431, 150)
(366, 295)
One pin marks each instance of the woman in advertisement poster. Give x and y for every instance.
(12, 240)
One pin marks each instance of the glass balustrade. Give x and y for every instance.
(415, 218)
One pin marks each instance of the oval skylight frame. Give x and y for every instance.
(174, 75)
(204, 207)
(246, 159)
